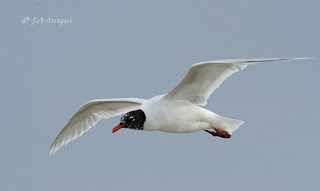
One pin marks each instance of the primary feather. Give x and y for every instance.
(203, 78)
(90, 114)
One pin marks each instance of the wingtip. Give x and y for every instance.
(51, 152)
(304, 58)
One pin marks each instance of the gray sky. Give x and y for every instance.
(144, 48)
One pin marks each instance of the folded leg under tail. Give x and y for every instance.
(225, 127)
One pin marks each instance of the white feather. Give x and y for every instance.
(90, 114)
(203, 78)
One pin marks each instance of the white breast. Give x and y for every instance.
(176, 116)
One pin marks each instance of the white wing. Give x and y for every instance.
(90, 114)
(203, 78)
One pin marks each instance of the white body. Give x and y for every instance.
(183, 116)
(180, 116)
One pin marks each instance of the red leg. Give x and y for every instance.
(219, 133)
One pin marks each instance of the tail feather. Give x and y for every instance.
(229, 124)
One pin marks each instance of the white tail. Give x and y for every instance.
(228, 124)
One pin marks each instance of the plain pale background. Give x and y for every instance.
(144, 48)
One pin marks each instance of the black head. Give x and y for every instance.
(131, 120)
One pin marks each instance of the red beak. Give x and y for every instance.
(116, 128)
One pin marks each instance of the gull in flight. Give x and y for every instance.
(178, 111)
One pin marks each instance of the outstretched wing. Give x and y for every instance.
(90, 114)
(203, 78)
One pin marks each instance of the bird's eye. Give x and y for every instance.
(131, 118)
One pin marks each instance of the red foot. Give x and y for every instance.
(219, 133)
